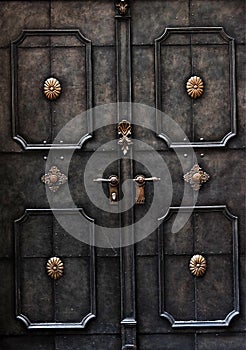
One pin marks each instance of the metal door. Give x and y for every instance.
(145, 98)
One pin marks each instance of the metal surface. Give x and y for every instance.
(55, 268)
(224, 318)
(196, 177)
(190, 33)
(194, 87)
(198, 265)
(29, 37)
(142, 296)
(41, 319)
(54, 179)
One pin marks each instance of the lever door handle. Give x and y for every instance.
(113, 181)
(140, 179)
(140, 184)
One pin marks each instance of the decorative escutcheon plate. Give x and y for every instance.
(124, 129)
(54, 179)
(196, 177)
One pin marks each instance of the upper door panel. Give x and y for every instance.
(51, 84)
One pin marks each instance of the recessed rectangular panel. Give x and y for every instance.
(199, 284)
(51, 85)
(218, 281)
(175, 68)
(195, 86)
(178, 288)
(36, 290)
(72, 292)
(34, 124)
(36, 237)
(209, 228)
(54, 288)
(68, 65)
(211, 113)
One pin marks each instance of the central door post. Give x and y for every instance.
(123, 59)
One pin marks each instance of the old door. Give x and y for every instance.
(145, 98)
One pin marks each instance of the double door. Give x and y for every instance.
(122, 190)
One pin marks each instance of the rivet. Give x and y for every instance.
(201, 138)
(44, 141)
(61, 141)
(61, 157)
(45, 157)
(185, 139)
(202, 154)
(185, 155)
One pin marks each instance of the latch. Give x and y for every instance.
(140, 185)
(113, 181)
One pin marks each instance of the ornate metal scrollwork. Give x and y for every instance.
(54, 179)
(198, 265)
(194, 87)
(196, 177)
(124, 129)
(122, 7)
(55, 268)
(52, 88)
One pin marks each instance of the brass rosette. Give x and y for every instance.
(54, 179)
(196, 177)
(55, 268)
(198, 265)
(194, 87)
(52, 88)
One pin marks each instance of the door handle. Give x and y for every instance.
(140, 181)
(113, 181)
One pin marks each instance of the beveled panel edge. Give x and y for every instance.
(14, 95)
(53, 325)
(193, 323)
(232, 62)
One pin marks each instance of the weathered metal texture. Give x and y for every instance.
(41, 303)
(215, 63)
(36, 121)
(197, 305)
(125, 166)
(126, 285)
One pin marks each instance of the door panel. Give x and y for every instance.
(142, 296)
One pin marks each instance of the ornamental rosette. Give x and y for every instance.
(198, 265)
(55, 268)
(196, 177)
(54, 179)
(52, 88)
(194, 87)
